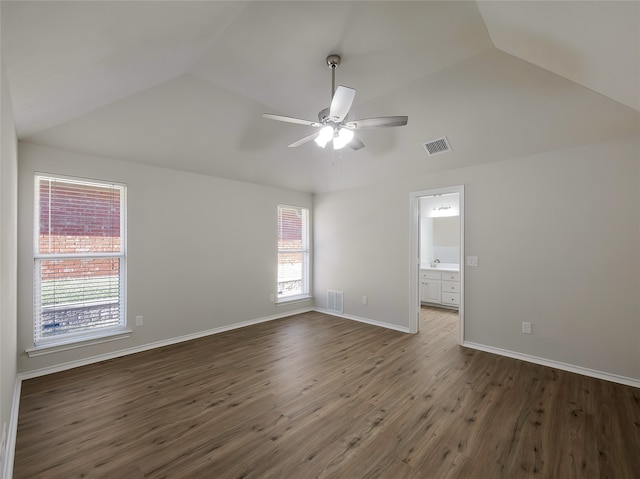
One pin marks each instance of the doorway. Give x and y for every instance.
(435, 257)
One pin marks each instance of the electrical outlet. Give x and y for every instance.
(139, 320)
(272, 298)
(526, 327)
(472, 261)
(365, 300)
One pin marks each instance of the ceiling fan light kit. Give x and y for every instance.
(326, 134)
(333, 121)
(343, 138)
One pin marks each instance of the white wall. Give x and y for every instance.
(201, 250)
(8, 260)
(558, 240)
(562, 253)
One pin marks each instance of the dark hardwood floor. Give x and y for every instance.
(318, 396)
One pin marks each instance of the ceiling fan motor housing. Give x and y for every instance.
(323, 115)
(333, 61)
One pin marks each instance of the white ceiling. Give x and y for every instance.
(183, 84)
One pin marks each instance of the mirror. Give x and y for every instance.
(440, 229)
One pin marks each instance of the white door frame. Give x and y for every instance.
(414, 309)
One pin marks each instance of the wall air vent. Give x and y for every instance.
(335, 301)
(437, 146)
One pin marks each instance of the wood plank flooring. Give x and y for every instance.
(315, 396)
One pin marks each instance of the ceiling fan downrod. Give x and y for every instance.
(333, 61)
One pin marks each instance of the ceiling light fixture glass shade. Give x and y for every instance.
(343, 137)
(326, 133)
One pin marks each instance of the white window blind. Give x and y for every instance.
(79, 260)
(293, 252)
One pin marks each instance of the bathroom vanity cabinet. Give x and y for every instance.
(440, 286)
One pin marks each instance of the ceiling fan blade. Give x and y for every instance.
(304, 140)
(356, 144)
(341, 103)
(290, 119)
(379, 122)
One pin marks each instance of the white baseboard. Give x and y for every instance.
(556, 364)
(124, 352)
(12, 431)
(504, 352)
(360, 319)
(157, 344)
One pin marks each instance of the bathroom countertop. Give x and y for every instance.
(449, 267)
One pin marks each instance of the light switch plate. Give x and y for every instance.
(472, 261)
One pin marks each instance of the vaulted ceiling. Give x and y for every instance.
(183, 84)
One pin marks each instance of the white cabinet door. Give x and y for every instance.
(430, 291)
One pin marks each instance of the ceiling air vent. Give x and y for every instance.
(437, 146)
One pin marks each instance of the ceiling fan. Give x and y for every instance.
(334, 123)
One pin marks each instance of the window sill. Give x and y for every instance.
(293, 299)
(57, 347)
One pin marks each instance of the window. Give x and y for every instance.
(293, 252)
(79, 260)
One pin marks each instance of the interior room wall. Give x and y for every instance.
(8, 260)
(201, 250)
(557, 235)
